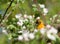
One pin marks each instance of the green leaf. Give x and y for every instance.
(13, 4)
(11, 27)
(34, 9)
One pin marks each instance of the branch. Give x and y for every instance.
(6, 17)
(6, 11)
(55, 20)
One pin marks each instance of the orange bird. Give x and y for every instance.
(40, 24)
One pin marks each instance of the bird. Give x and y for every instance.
(39, 24)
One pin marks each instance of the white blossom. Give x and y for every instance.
(20, 37)
(42, 31)
(20, 23)
(20, 31)
(48, 43)
(25, 16)
(53, 30)
(52, 37)
(51, 33)
(34, 5)
(48, 26)
(42, 5)
(4, 31)
(20, 20)
(45, 10)
(26, 39)
(18, 16)
(30, 17)
(31, 35)
(24, 27)
(25, 35)
(36, 30)
(38, 18)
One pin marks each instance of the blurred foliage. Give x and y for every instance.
(3, 39)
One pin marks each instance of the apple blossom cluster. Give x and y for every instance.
(26, 22)
(26, 29)
(45, 10)
(26, 35)
(42, 7)
(24, 19)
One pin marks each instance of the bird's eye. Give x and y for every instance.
(36, 22)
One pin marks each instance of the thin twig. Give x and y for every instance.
(6, 11)
(55, 20)
(6, 17)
